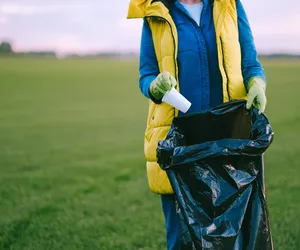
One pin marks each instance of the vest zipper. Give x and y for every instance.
(223, 60)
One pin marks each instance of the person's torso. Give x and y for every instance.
(200, 79)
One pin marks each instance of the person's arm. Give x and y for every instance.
(148, 63)
(153, 84)
(253, 73)
(251, 66)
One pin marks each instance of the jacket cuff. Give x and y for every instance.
(153, 99)
(250, 78)
(257, 80)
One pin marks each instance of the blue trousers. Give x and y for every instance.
(172, 222)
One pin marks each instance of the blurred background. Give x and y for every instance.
(72, 120)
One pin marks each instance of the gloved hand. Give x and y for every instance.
(257, 94)
(162, 83)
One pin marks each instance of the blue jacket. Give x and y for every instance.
(199, 75)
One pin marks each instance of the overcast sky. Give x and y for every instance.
(101, 25)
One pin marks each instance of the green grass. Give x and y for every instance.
(72, 172)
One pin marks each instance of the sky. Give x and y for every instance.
(85, 26)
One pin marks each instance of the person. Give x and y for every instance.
(204, 49)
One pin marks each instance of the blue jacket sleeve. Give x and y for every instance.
(148, 63)
(250, 64)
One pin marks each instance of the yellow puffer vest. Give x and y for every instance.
(165, 41)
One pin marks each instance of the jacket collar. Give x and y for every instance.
(145, 8)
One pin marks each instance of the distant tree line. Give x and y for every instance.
(278, 56)
(107, 55)
(6, 49)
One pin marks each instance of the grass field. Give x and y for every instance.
(72, 172)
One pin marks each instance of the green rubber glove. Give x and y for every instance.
(162, 83)
(257, 94)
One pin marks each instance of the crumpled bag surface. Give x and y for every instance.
(214, 161)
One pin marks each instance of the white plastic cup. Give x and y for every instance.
(177, 100)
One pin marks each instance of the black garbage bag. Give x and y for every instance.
(214, 161)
